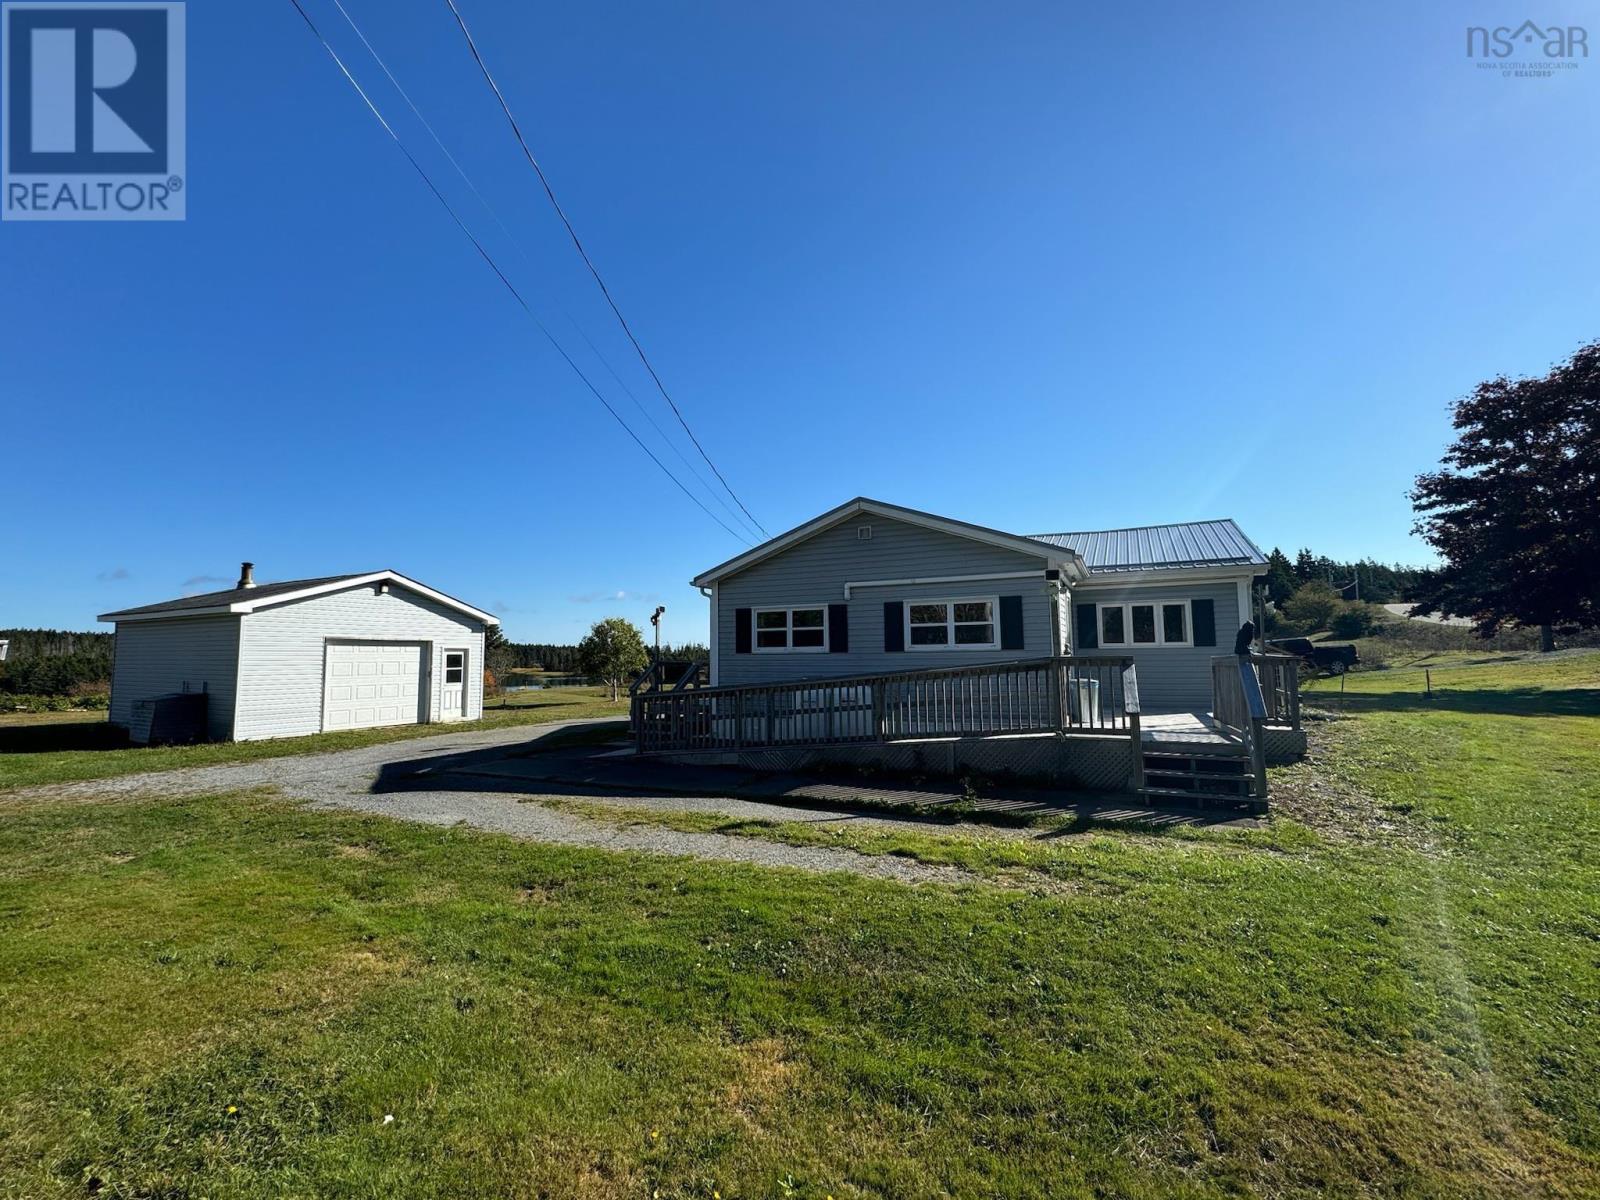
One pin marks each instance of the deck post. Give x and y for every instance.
(770, 724)
(738, 720)
(1130, 709)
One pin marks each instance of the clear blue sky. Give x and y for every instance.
(1035, 266)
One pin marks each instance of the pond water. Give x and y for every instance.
(544, 684)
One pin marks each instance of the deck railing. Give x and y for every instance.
(1072, 694)
(669, 676)
(1280, 687)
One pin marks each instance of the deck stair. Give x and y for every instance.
(1201, 774)
(1192, 758)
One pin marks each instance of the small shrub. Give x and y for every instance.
(25, 703)
(1355, 620)
(1312, 607)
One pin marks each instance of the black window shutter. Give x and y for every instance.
(741, 631)
(894, 625)
(838, 629)
(1088, 628)
(1011, 623)
(1205, 622)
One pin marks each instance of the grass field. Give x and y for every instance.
(85, 747)
(1391, 991)
(81, 716)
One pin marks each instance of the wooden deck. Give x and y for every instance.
(1187, 729)
(1194, 755)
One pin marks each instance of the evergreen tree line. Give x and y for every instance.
(1367, 579)
(55, 662)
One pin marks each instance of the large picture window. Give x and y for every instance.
(951, 625)
(781, 629)
(1160, 623)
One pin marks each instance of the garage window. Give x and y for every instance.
(455, 666)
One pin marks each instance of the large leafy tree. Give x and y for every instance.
(1514, 509)
(613, 651)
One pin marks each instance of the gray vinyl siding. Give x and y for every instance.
(195, 654)
(281, 654)
(815, 571)
(1171, 678)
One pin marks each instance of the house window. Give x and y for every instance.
(1113, 630)
(951, 625)
(1163, 624)
(781, 629)
(1175, 624)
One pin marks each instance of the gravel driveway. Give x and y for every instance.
(346, 780)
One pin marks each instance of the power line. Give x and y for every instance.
(495, 267)
(654, 424)
(588, 262)
(517, 245)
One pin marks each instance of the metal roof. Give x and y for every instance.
(261, 591)
(1160, 547)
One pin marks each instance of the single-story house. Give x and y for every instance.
(871, 588)
(303, 656)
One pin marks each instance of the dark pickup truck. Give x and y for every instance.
(1325, 656)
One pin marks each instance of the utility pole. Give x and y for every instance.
(655, 619)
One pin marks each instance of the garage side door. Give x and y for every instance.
(371, 683)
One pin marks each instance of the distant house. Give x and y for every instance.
(873, 588)
(304, 656)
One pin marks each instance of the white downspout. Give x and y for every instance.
(716, 631)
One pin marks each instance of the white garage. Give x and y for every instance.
(303, 656)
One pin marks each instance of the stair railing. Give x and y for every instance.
(1238, 705)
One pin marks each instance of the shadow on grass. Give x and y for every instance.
(1510, 702)
(573, 767)
(71, 735)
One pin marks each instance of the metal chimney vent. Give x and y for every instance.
(247, 575)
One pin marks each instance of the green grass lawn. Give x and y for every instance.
(56, 751)
(80, 716)
(1392, 991)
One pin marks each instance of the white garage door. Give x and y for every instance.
(371, 683)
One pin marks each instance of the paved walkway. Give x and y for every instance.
(1404, 610)
(481, 779)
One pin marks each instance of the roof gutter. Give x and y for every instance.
(922, 579)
